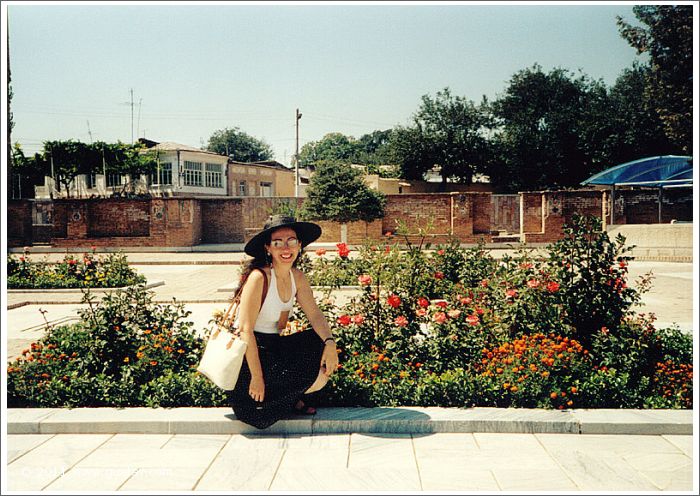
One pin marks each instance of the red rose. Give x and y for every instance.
(401, 321)
(393, 301)
(344, 320)
(343, 250)
(441, 304)
(423, 302)
(441, 252)
(364, 280)
(511, 293)
(525, 266)
(480, 310)
(484, 283)
(552, 286)
(439, 275)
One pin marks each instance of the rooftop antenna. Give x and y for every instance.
(89, 132)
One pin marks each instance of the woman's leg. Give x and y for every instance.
(319, 383)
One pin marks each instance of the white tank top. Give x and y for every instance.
(272, 307)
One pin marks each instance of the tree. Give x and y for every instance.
(338, 193)
(130, 160)
(27, 172)
(239, 146)
(373, 148)
(333, 147)
(622, 125)
(668, 39)
(539, 129)
(447, 131)
(68, 159)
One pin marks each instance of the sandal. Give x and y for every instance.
(301, 408)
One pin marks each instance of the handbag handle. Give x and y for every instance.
(229, 316)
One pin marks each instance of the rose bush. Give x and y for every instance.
(88, 271)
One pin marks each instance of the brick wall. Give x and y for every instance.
(19, 223)
(183, 222)
(559, 209)
(642, 206)
(222, 221)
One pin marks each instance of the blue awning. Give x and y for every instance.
(657, 172)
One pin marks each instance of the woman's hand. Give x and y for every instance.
(257, 388)
(329, 360)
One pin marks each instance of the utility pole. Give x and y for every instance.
(296, 158)
(132, 116)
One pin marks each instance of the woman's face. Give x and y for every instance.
(284, 246)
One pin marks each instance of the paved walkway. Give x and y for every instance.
(346, 449)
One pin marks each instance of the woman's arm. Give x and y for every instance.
(251, 297)
(307, 302)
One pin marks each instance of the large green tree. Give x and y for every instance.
(239, 146)
(337, 192)
(541, 123)
(668, 40)
(447, 131)
(333, 147)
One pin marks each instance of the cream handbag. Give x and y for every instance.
(223, 356)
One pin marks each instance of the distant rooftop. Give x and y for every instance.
(172, 146)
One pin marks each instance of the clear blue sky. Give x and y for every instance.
(353, 69)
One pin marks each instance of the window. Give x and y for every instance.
(163, 174)
(193, 173)
(265, 189)
(242, 188)
(114, 180)
(213, 176)
(92, 180)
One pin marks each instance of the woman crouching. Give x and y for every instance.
(279, 370)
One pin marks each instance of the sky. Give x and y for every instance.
(349, 68)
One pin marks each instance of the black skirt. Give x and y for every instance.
(290, 365)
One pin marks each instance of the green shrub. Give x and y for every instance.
(123, 352)
(90, 271)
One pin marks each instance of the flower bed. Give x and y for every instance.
(431, 327)
(87, 271)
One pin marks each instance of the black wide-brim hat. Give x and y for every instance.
(307, 233)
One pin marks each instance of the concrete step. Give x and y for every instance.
(411, 420)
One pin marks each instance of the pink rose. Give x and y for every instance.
(454, 313)
(439, 317)
(421, 312)
(511, 293)
(364, 280)
(465, 300)
(472, 320)
(358, 319)
(401, 321)
(320, 252)
(533, 283)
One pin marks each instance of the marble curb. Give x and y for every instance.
(413, 420)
